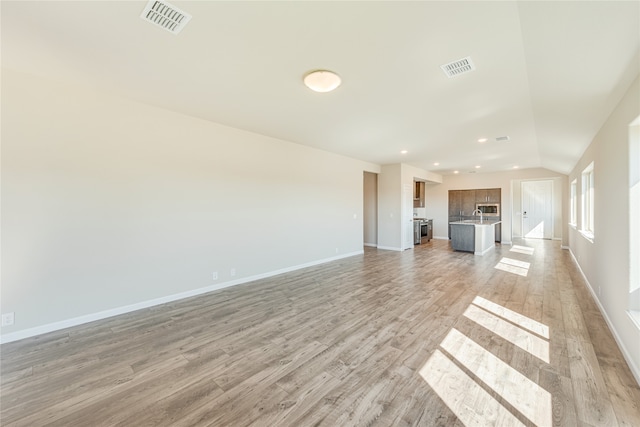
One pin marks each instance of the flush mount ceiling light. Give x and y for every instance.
(481, 140)
(404, 152)
(322, 80)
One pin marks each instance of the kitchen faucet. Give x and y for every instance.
(477, 210)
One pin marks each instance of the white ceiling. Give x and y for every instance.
(547, 74)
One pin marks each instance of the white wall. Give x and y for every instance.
(437, 196)
(605, 261)
(370, 215)
(108, 203)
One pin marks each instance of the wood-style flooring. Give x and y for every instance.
(425, 337)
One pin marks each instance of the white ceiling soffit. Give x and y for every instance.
(165, 16)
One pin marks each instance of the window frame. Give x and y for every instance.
(587, 226)
(573, 203)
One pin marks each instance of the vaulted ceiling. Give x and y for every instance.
(547, 74)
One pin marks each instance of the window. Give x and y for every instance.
(587, 202)
(634, 221)
(573, 219)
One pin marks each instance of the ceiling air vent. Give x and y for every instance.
(502, 139)
(461, 66)
(165, 15)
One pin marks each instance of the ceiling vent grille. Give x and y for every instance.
(165, 15)
(502, 139)
(461, 66)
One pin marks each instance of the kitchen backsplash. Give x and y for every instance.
(420, 212)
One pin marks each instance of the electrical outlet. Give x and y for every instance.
(215, 275)
(8, 319)
(233, 272)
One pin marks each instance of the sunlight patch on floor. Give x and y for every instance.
(510, 265)
(522, 249)
(517, 336)
(466, 398)
(481, 388)
(510, 315)
(527, 397)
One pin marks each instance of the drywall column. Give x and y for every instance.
(389, 207)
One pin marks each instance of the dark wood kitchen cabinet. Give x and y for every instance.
(468, 202)
(488, 195)
(418, 194)
(455, 202)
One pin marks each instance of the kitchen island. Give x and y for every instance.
(477, 236)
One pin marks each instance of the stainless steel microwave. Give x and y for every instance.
(489, 209)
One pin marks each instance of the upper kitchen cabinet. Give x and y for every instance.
(469, 198)
(462, 202)
(418, 194)
(489, 195)
(455, 202)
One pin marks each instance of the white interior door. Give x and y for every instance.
(407, 216)
(537, 210)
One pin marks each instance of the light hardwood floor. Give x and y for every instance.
(426, 337)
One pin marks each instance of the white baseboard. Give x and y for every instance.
(63, 324)
(481, 253)
(635, 370)
(390, 248)
(565, 247)
(506, 242)
(371, 245)
(441, 237)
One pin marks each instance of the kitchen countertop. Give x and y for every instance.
(475, 222)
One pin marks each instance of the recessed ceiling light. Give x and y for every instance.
(436, 164)
(516, 167)
(481, 140)
(404, 152)
(322, 80)
(456, 171)
(478, 166)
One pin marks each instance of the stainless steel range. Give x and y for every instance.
(422, 230)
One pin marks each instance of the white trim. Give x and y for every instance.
(556, 238)
(506, 242)
(635, 370)
(587, 235)
(565, 247)
(440, 237)
(390, 248)
(63, 324)
(635, 317)
(371, 245)
(480, 253)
